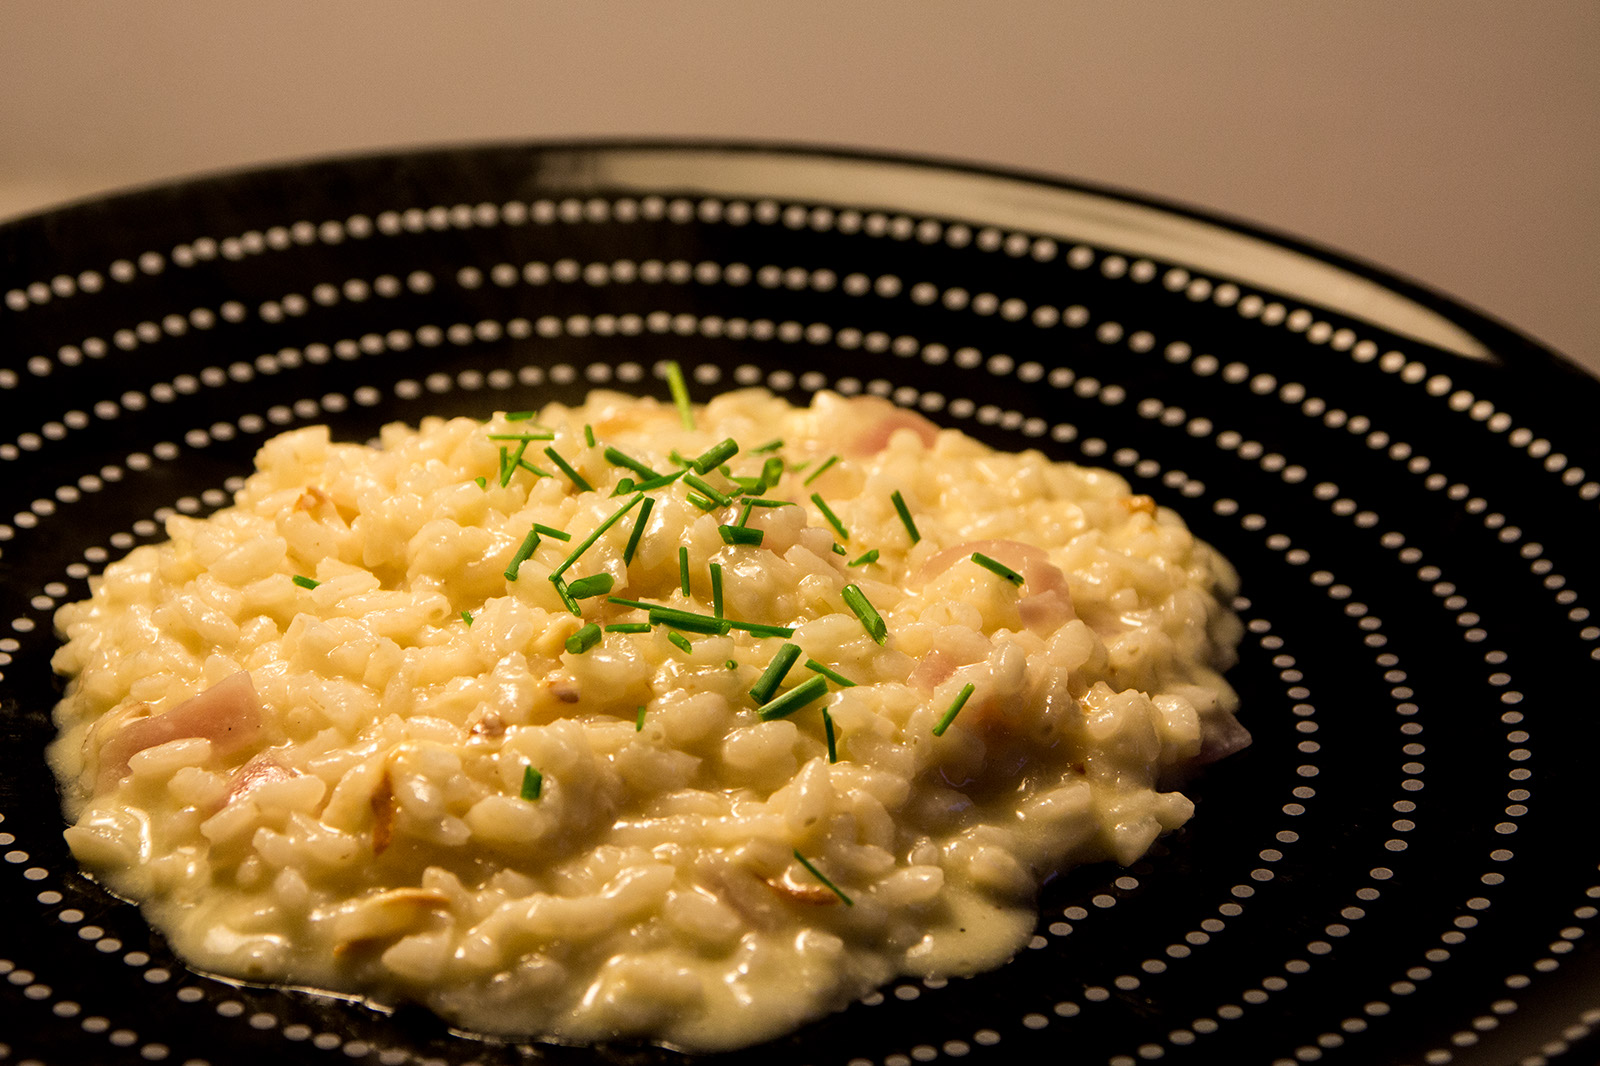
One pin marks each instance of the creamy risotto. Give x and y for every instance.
(636, 720)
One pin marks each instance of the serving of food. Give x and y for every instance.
(636, 719)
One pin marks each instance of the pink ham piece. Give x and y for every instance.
(1046, 601)
(228, 714)
(882, 420)
(261, 770)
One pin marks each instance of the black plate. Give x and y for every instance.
(1402, 869)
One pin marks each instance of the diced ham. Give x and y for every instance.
(932, 671)
(261, 770)
(1046, 601)
(881, 420)
(1221, 735)
(228, 714)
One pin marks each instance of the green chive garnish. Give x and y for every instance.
(565, 594)
(659, 481)
(508, 466)
(760, 629)
(731, 665)
(770, 446)
(546, 435)
(588, 542)
(617, 458)
(551, 531)
(744, 514)
(715, 456)
(703, 487)
(997, 567)
(518, 416)
(836, 678)
(466, 616)
(674, 616)
(900, 507)
(818, 875)
(772, 471)
(857, 601)
(638, 720)
(532, 783)
(866, 559)
(638, 530)
(812, 688)
(566, 468)
(740, 535)
(701, 502)
(950, 715)
(624, 486)
(683, 571)
(681, 641)
(761, 501)
(774, 674)
(833, 519)
(716, 589)
(593, 585)
(523, 464)
(680, 393)
(305, 582)
(838, 549)
(524, 551)
(827, 731)
(483, 482)
(584, 639)
(688, 621)
(628, 627)
(588, 435)
(819, 471)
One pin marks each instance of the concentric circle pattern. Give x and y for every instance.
(1401, 869)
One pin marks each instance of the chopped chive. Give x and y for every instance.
(681, 641)
(683, 571)
(659, 481)
(836, 678)
(700, 485)
(819, 471)
(624, 486)
(904, 512)
(532, 783)
(566, 468)
(546, 435)
(833, 519)
(677, 457)
(731, 665)
(761, 501)
(617, 458)
(466, 616)
(744, 514)
(518, 416)
(715, 456)
(593, 585)
(838, 549)
(638, 531)
(628, 627)
(955, 707)
(748, 486)
(702, 502)
(588, 434)
(584, 639)
(827, 731)
(305, 582)
(770, 446)
(812, 688)
(523, 464)
(997, 567)
(688, 621)
(483, 482)
(551, 531)
(772, 471)
(774, 674)
(716, 589)
(566, 594)
(638, 720)
(680, 393)
(524, 551)
(508, 466)
(740, 535)
(588, 541)
(848, 902)
(857, 601)
(760, 629)
(866, 559)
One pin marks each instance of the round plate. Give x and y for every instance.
(1399, 870)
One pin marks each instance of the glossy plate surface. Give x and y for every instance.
(1401, 869)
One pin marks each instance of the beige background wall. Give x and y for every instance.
(1456, 142)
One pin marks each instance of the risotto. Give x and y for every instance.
(635, 719)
